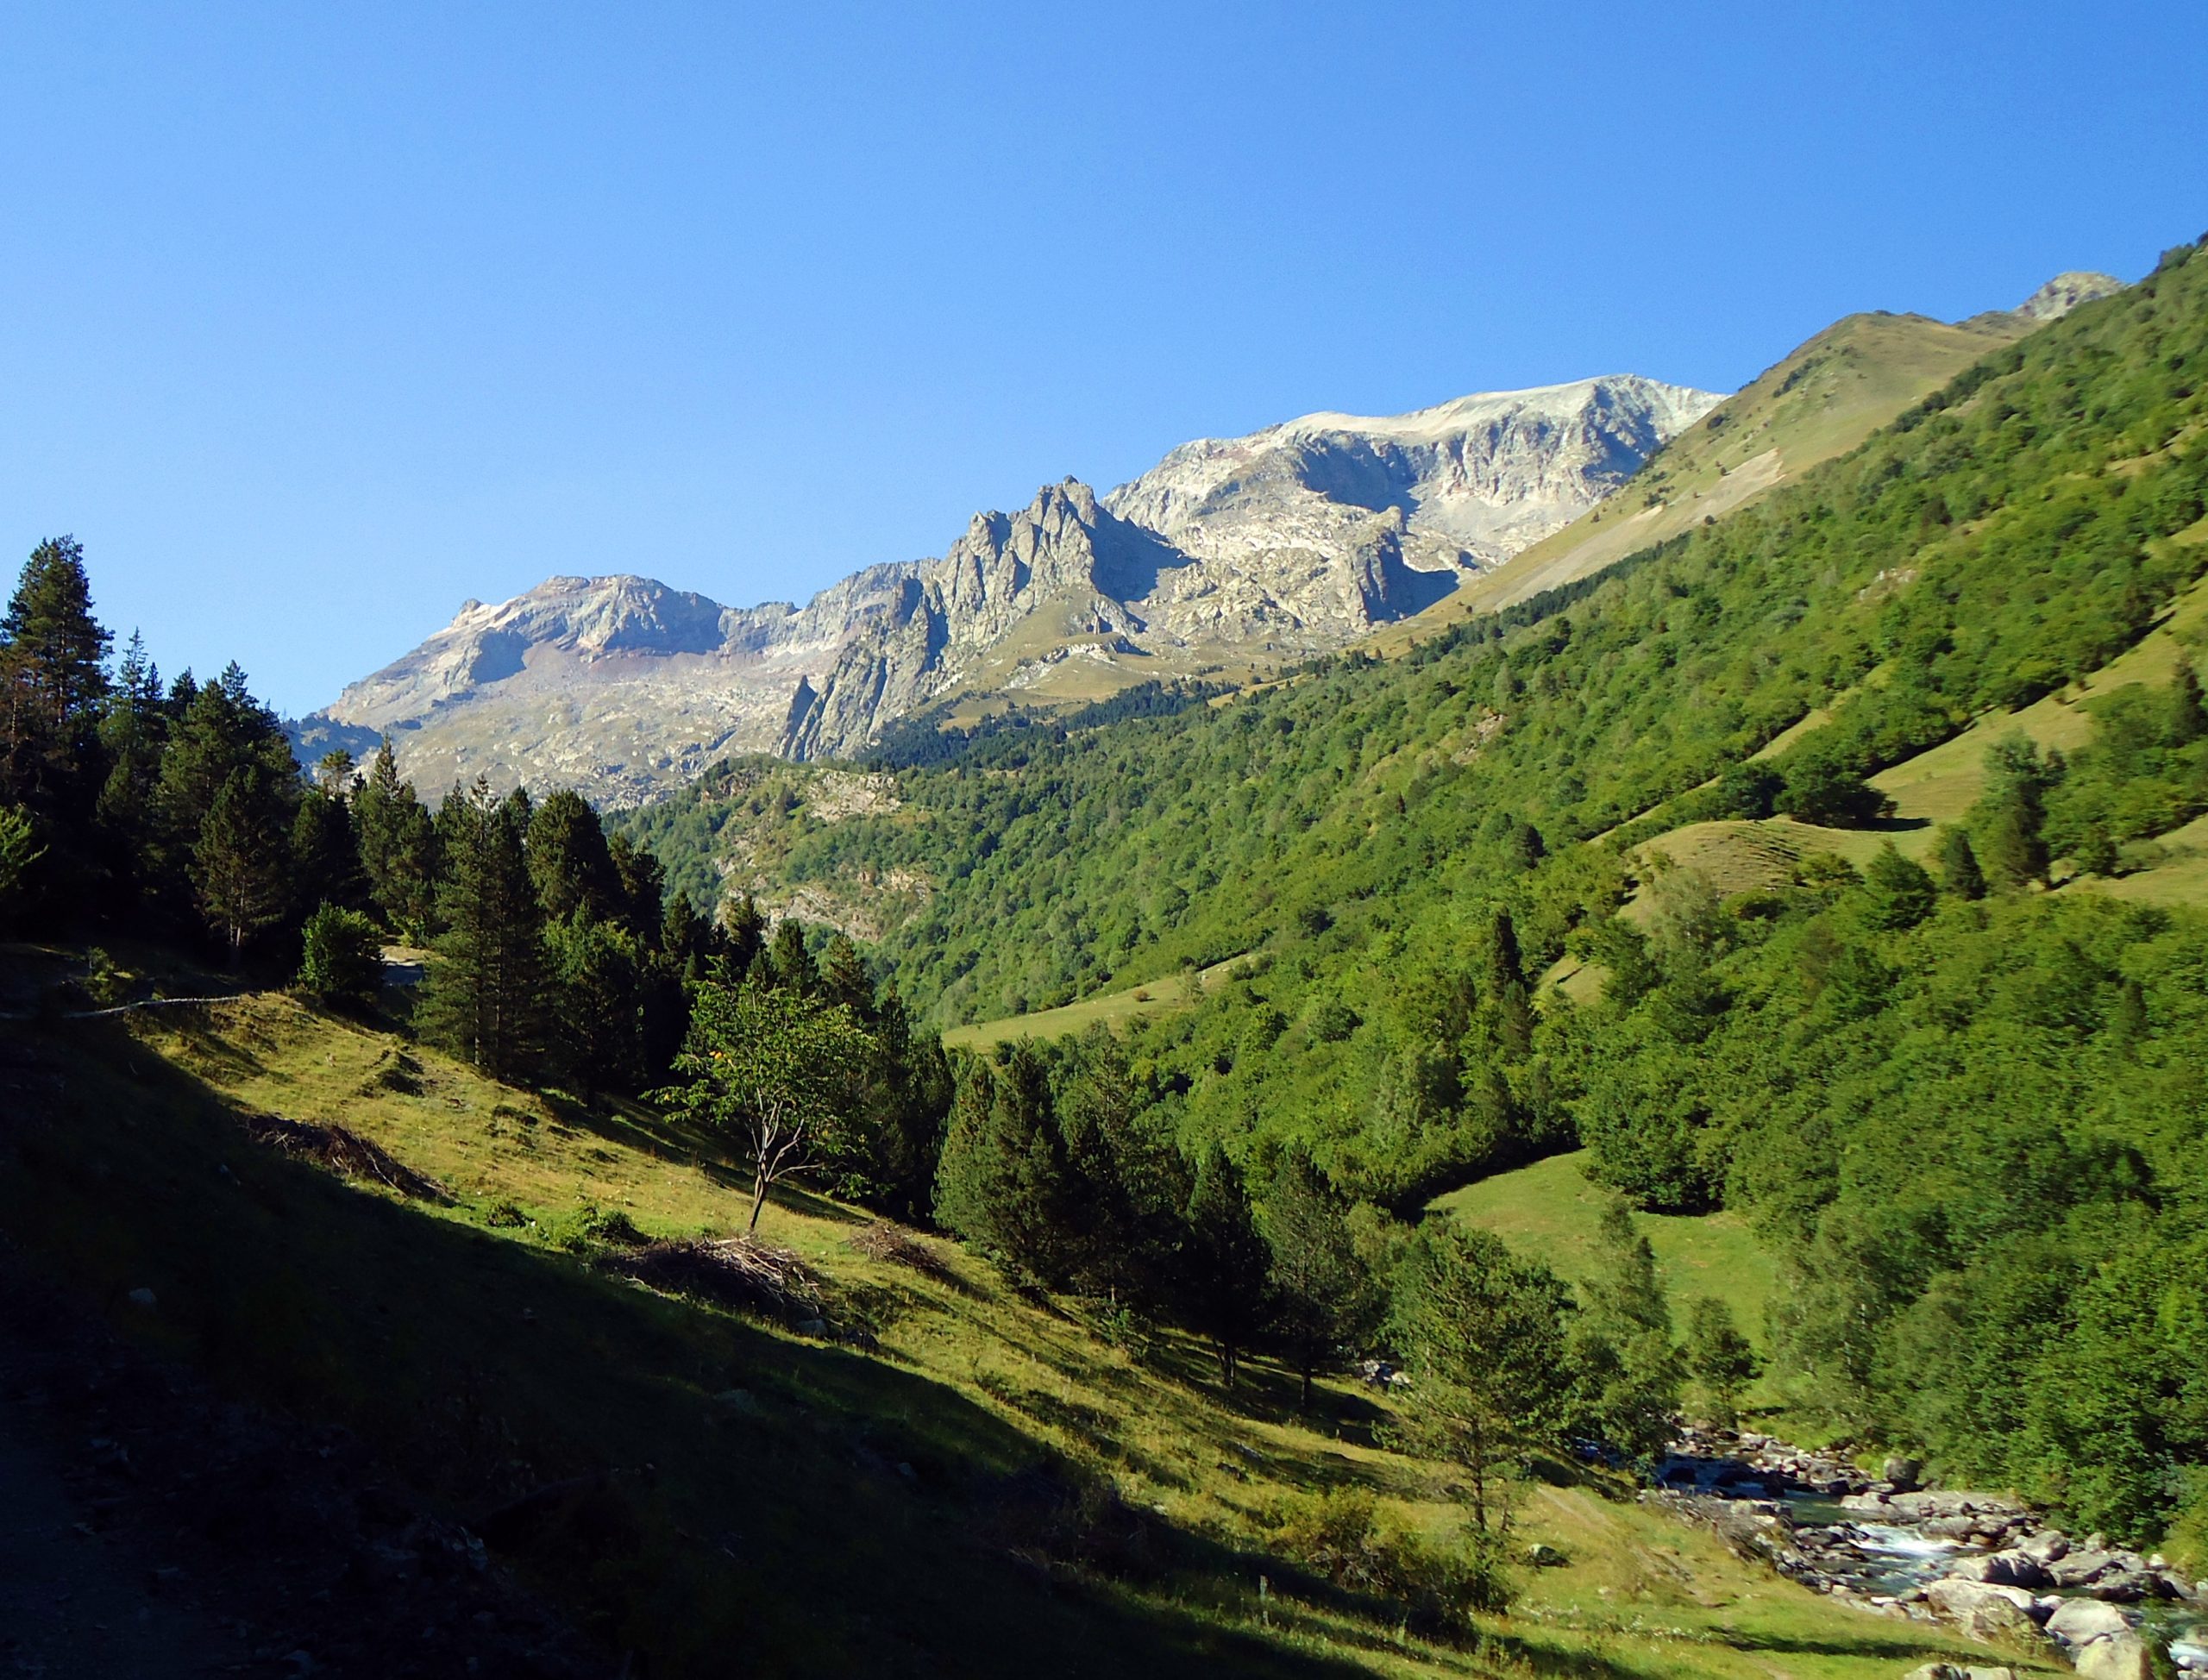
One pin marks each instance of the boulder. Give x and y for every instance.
(2005, 1569)
(2123, 1586)
(2082, 1620)
(1984, 1608)
(2124, 1656)
(1906, 1474)
(1935, 1672)
(2079, 1568)
(2046, 1546)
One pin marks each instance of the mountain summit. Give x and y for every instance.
(1229, 555)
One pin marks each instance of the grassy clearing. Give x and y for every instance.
(1549, 1211)
(1108, 1008)
(750, 1497)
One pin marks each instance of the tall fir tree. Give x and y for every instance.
(240, 859)
(1225, 1264)
(398, 843)
(489, 998)
(1325, 1301)
(570, 863)
(53, 681)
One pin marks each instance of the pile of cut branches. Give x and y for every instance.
(344, 1152)
(730, 1271)
(880, 1239)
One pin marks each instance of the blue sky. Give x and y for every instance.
(316, 319)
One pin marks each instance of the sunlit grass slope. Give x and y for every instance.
(1820, 401)
(736, 1496)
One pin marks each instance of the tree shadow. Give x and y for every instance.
(730, 1490)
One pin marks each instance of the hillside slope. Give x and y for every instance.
(1819, 401)
(990, 1487)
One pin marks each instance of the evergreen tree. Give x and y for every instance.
(1899, 892)
(599, 983)
(1004, 1184)
(2096, 854)
(52, 680)
(1720, 1359)
(488, 998)
(1625, 1367)
(2008, 823)
(2188, 714)
(1224, 1262)
(133, 729)
(240, 859)
(743, 933)
(325, 852)
(1958, 871)
(1824, 790)
(789, 963)
(642, 886)
(1325, 1300)
(844, 978)
(1483, 1335)
(223, 732)
(398, 845)
(908, 1096)
(571, 864)
(19, 852)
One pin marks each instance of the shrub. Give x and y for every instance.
(1342, 1535)
(343, 962)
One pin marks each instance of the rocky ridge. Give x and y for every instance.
(1292, 541)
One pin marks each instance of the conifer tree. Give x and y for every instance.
(1625, 1367)
(53, 679)
(597, 975)
(2188, 714)
(325, 851)
(397, 845)
(2008, 823)
(1958, 871)
(844, 978)
(789, 963)
(1483, 1333)
(240, 862)
(743, 933)
(1004, 1184)
(134, 728)
(1900, 892)
(1325, 1299)
(570, 863)
(1224, 1262)
(488, 999)
(1720, 1359)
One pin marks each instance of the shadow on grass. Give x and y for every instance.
(735, 1497)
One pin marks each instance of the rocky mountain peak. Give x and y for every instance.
(2065, 291)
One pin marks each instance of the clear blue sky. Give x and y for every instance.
(317, 319)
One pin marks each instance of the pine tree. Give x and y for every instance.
(570, 863)
(1958, 871)
(1484, 1335)
(397, 843)
(2008, 823)
(744, 932)
(342, 963)
(1325, 1300)
(488, 999)
(2188, 715)
(789, 963)
(325, 851)
(1224, 1262)
(134, 728)
(240, 861)
(52, 680)
(1004, 1183)
(224, 731)
(844, 978)
(1625, 1368)
(599, 983)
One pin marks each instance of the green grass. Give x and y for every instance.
(1549, 1211)
(780, 1535)
(1114, 1009)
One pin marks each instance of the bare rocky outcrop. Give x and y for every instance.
(1293, 540)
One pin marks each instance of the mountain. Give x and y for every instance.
(1820, 400)
(1230, 557)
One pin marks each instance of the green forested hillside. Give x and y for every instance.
(1965, 1124)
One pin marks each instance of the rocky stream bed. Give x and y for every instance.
(1982, 1562)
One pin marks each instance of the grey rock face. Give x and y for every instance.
(2065, 291)
(1293, 540)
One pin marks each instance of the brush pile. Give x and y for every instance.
(730, 1271)
(343, 1152)
(882, 1241)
